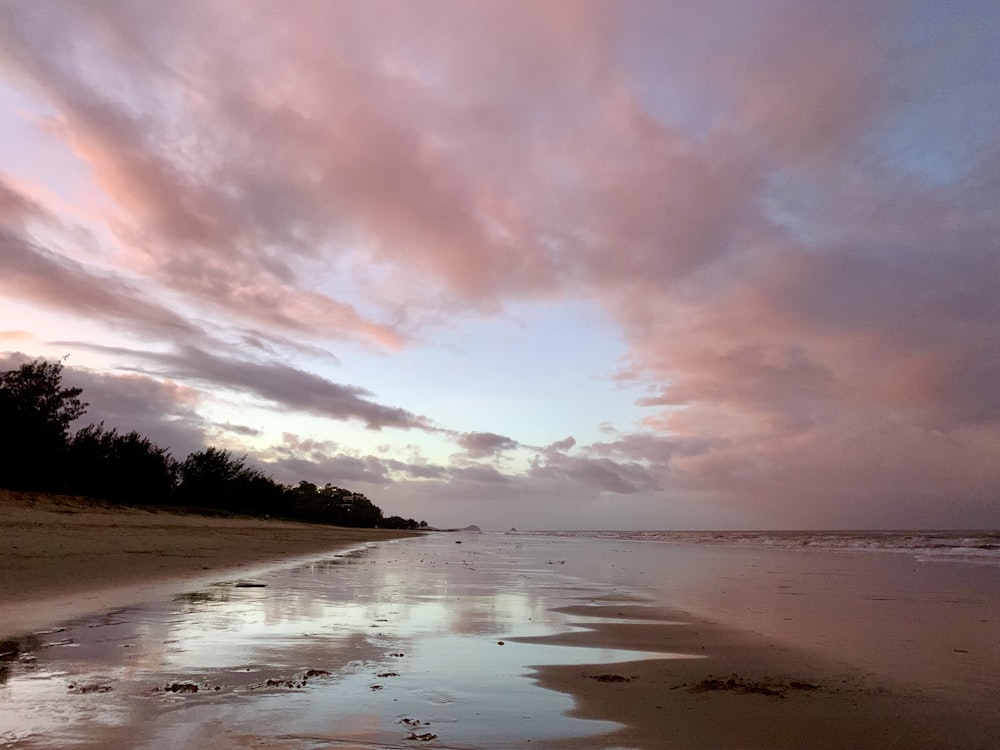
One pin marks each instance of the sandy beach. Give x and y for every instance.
(62, 556)
(467, 641)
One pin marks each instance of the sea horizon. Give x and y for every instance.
(956, 545)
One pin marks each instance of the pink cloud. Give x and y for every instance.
(19, 336)
(31, 273)
(16, 207)
(809, 315)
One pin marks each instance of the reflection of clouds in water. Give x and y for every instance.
(73, 703)
(397, 626)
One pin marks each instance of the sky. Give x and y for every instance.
(540, 264)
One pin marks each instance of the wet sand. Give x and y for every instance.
(750, 692)
(62, 556)
(803, 649)
(505, 642)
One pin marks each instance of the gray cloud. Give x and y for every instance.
(290, 387)
(416, 471)
(480, 444)
(275, 382)
(562, 445)
(598, 474)
(341, 471)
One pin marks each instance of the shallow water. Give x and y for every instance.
(380, 647)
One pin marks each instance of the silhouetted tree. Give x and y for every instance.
(214, 478)
(335, 505)
(124, 468)
(35, 415)
(398, 522)
(36, 453)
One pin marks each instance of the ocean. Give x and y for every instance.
(954, 546)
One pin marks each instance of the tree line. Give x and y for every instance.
(38, 453)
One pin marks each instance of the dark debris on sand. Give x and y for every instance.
(609, 678)
(89, 688)
(737, 684)
(413, 736)
(181, 687)
(299, 681)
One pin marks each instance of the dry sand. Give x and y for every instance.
(63, 556)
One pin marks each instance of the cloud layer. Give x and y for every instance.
(789, 212)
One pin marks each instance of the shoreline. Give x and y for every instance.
(63, 557)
